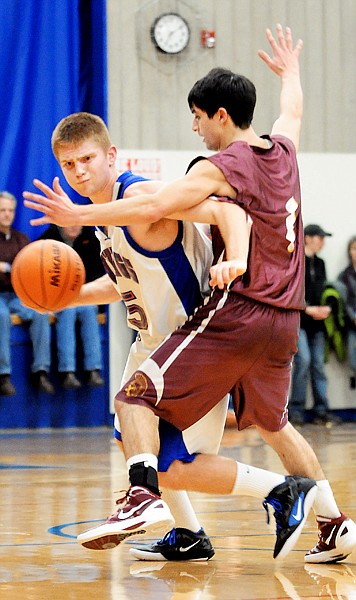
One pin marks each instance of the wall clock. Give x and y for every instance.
(170, 33)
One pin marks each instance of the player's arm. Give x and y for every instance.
(285, 63)
(235, 230)
(99, 291)
(203, 180)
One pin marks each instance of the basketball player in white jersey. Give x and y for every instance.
(161, 272)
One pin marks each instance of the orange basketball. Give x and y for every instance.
(47, 275)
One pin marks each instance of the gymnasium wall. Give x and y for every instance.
(148, 89)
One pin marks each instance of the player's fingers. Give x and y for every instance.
(215, 277)
(41, 221)
(271, 40)
(289, 39)
(298, 47)
(58, 188)
(280, 35)
(265, 57)
(35, 200)
(43, 187)
(34, 205)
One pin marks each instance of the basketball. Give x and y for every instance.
(47, 275)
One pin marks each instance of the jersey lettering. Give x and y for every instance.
(109, 265)
(124, 267)
(140, 319)
(117, 265)
(291, 207)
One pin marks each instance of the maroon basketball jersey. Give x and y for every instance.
(267, 186)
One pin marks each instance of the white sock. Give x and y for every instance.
(324, 503)
(181, 509)
(150, 460)
(251, 481)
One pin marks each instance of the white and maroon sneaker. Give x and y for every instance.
(140, 512)
(337, 539)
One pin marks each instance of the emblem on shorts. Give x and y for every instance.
(137, 386)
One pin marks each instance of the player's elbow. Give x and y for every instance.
(154, 210)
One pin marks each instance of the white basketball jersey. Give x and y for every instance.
(160, 289)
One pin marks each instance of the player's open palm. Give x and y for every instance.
(285, 57)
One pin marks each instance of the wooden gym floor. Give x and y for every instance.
(56, 483)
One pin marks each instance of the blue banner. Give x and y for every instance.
(53, 62)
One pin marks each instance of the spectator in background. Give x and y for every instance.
(348, 278)
(11, 242)
(84, 241)
(310, 357)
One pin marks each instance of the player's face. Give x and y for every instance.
(353, 253)
(315, 243)
(7, 214)
(207, 128)
(87, 168)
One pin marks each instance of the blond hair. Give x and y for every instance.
(77, 128)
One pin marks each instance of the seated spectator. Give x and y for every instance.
(11, 242)
(84, 241)
(348, 278)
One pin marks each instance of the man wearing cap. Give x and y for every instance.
(309, 359)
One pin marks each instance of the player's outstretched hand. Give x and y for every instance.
(55, 204)
(225, 272)
(285, 57)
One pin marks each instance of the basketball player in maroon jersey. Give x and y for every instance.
(243, 340)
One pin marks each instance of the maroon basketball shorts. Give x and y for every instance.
(231, 345)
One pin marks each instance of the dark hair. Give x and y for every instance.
(221, 88)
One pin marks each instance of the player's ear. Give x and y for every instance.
(112, 155)
(222, 114)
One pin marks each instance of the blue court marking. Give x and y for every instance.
(57, 529)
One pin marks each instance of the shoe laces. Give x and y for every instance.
(278, 512)
(123, 499)
(169, 538)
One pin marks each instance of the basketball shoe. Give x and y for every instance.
(178, 544)
(291, 501)
(337, 539)
(140, 512)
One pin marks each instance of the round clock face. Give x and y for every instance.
(170, 33)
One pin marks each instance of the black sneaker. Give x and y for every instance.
(177, 544)
(291, 501)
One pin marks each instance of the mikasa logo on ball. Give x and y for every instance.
(55, 273)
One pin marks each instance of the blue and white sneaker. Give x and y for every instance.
(178, 544)
(292, 501)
